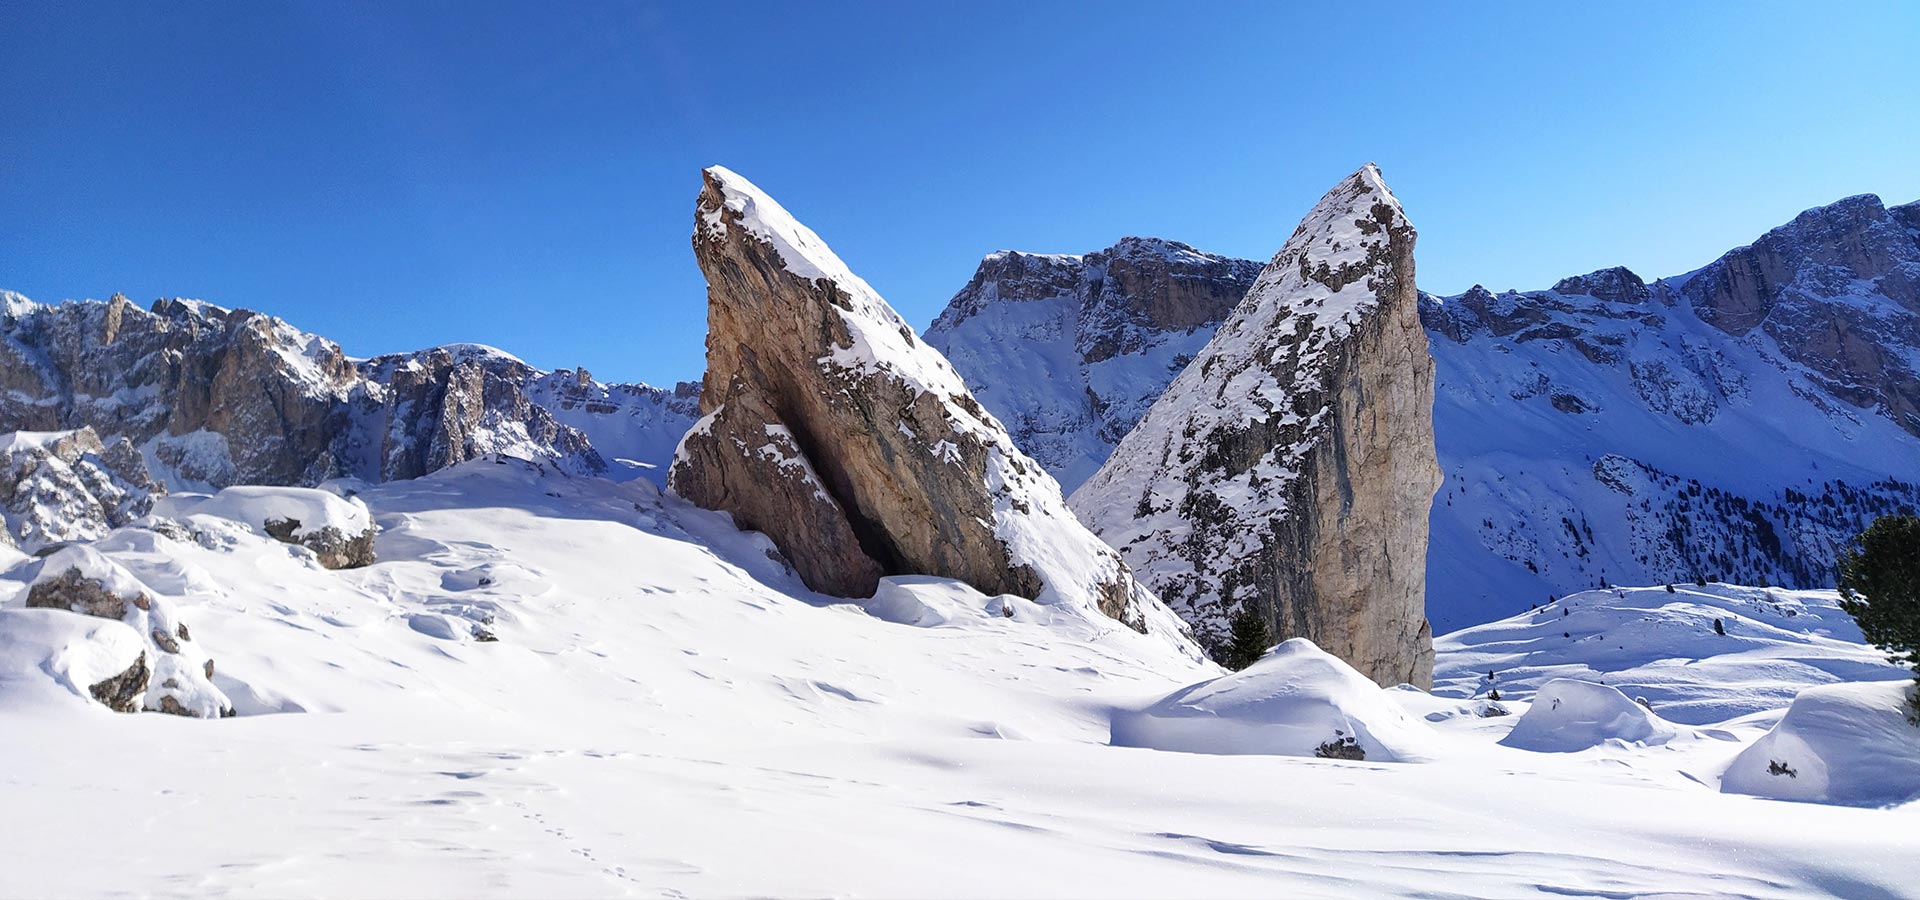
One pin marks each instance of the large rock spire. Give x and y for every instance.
(832, 428)
(1290, 467)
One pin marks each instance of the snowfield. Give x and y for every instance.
(563, 686)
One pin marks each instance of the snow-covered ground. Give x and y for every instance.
(667, 713)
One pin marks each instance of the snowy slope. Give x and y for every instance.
(664, 712)
(1662, 646)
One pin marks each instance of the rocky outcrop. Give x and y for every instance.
(1289, 469)
(62, 486)
(1069, 351)
(1838, 290)
(79, 579)
(339, 530)
(832, 428)
(213, 397)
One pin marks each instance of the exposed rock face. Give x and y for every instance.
(1290, 467)
(832, 428)
(81, 580)
(122, 692)
(1838, 289)
(214, 397)
(67, 486)
(1069, 351)
(339, 530)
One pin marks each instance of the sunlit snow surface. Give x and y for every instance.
(666, 713)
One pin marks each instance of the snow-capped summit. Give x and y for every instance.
(852, 444)
(1288, 469)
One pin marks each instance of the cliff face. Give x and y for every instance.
(1838, 290)
(832, 428)
(1069, 351)
(1290, 467)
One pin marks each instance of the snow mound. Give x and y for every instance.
(49, 657)
(182, 681)
(1662, 645)
(1847, 744)
(1298, 700)
(314, 510)
(926, 601)
(1569, 715)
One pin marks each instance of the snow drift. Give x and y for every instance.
(1569, 715)
(1297, 700)
(1847, 744)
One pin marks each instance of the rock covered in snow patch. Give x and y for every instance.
(1848, 744)
(78, 579)
(1289, 469)
(339, 530)
(69, 485)
(50, 654)
(1569, 715)
(833, 429)
(1297, 700)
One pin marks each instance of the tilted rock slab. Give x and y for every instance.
(1291, 465)
(832, 428)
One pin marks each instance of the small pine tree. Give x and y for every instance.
(1251, 637)
(1880, 588)
(1719, 628)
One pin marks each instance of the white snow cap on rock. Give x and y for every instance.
(1842, 743)
(1569, 715)
(1297, 700)
(883, 341)
(52, 657)
(255, 506)
(181, 681)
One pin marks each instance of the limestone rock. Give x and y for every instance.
(79, 579)
(1290, 467)
(66, 485)
(1838, 290)
(832, 428)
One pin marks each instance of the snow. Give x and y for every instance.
(49, 658)
(312, 509)
(1843, 743)
(1662, 646)
(1295, 701)
(668, 712)
(1568, 715)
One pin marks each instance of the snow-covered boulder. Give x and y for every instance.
(833, 429)
(51, 656)
(339, 530)
(1297, 700)
(79, 579)
(70, 486)
(1843, 743)
(1569, 715)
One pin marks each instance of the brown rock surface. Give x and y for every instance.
(829, 426)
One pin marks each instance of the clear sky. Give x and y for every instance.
(398, 175)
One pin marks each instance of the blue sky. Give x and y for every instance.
(400, 175)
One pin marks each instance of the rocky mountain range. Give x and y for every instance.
(1287, 471)
(212, 397)
(1739, 422)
